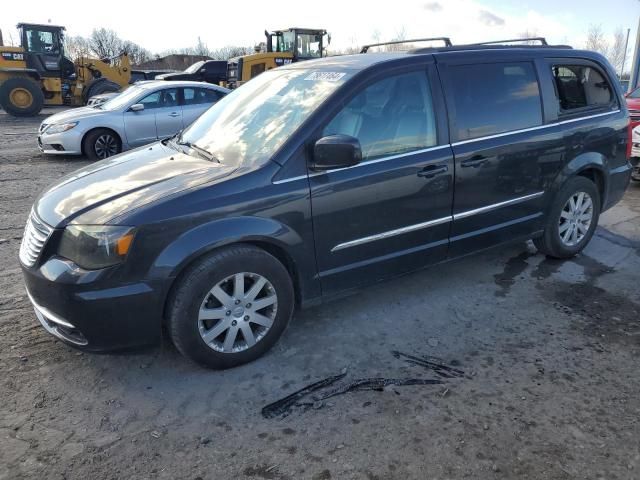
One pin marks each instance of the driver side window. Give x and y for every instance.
(389, 117)
(160, 99)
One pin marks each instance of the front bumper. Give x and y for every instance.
(84, 309)
(65, 143)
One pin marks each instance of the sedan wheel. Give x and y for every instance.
(237, 312)
(106, 145)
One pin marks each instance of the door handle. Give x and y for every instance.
(474, 162)
(431, 171)
(174, 114)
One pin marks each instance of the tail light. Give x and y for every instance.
(629, 138)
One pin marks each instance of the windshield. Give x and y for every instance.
(634, 94)
(195, 67)
(122, 99)
(309, 46)
(251, 123)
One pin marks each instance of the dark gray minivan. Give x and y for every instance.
(320, 177)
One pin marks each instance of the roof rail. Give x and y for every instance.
(446, 40)
(542, 40)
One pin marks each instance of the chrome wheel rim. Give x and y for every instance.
(575, 218)
(237, 312)
(106, 145)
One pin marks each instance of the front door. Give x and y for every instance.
(500, 147)
(140, 126)
(392, 212)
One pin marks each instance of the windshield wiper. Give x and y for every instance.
(202, 151)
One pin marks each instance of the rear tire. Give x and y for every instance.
(99, 86)
(230, 307)
(21, 97)
(568, 230)
(101, 143)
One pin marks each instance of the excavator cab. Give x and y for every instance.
(301, 43)
(43, 47)
(283, 47)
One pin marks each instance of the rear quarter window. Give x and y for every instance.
(494, 98)
(581, 87)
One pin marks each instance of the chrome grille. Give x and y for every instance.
(36, 234)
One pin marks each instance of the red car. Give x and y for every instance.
(633, 104)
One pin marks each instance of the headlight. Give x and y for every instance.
(60, 127)
(95, 246)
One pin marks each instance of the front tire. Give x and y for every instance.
(572, 220)
(231, 307)
(101, 143)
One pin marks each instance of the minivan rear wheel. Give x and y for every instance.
(572, 220)
(230, 307)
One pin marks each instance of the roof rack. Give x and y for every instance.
(542, 40)
(446, 40)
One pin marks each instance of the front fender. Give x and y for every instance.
(205, 238)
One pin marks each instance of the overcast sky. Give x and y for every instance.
(171, 25)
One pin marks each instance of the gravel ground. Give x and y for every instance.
(536, 362)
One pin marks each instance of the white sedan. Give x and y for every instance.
(142, 114)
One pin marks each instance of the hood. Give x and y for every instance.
(73, 115)
(633, 103)
(98, 193)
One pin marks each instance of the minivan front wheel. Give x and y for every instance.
(572, 220)
(231, 307)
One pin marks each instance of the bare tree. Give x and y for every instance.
(617, 53)
(137, 54)
(76, 47)
(201, 48)
(529, 34)
(230, 51)
(400, 36)
(105, 43)
(596, 40)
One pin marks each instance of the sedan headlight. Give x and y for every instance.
(60, 127)
(96, 246)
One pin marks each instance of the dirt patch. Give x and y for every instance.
(599, 313)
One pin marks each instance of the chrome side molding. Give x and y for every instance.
(433, 223)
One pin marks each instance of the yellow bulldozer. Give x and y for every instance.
(282, 47)
(37, 73)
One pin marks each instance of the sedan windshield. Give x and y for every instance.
(122, 100)
(250, 124)
(194, 68)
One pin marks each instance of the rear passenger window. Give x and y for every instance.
(581, 86)
(390, 117)
(495, 98)
(196, 96)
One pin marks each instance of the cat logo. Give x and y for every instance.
(16, 57)
(283, 61)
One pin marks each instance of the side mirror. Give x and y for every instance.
(336, 151)
(137, 107)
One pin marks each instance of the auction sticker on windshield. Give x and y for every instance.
(327, 76)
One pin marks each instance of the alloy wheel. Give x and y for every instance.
(237, 312)
(106, 145)
(575, 218)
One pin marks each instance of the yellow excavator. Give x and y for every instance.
(282, 47)
(37, 73)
